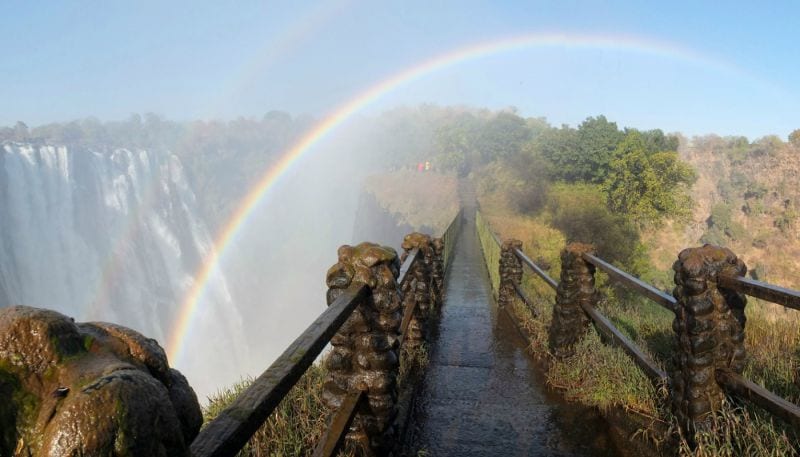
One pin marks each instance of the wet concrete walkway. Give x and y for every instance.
(482, 395)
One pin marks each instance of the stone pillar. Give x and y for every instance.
(364, 355)
(420, 286)
(438, 271)
(709, 328)
(510, 272)
(570, 322)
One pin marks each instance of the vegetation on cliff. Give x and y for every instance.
(419, 199)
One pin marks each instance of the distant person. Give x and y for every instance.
(427, 165)
(420, 167)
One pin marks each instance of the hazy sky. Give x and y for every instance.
(731, 70)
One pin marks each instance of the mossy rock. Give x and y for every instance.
(95, 389)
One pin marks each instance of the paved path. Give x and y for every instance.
(482, 395)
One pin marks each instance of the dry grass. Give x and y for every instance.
(296, 425)
(604, 377)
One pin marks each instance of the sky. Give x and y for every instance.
(731, 70)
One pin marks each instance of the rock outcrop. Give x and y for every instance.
(69, 389)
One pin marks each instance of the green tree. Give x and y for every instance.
(528, 184)
(648, 187)
(455, 143)
(582, 154)
(656, 141)
(502, 136)
(794, 138)
(558, 147)
(597, 140)
(579, 210)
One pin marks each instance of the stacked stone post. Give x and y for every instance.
(420, 287)
(570, 322)
(510, 272)
(438, 270)
(709, 328)
(364, 355)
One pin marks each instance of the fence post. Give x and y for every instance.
(709, 328)
(510, 268)
(421, 288)
(570, 322)
(364, 355)
(438, 271)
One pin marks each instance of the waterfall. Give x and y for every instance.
(115, 235)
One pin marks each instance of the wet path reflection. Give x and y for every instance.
(482, 395)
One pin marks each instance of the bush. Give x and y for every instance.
(579, 210)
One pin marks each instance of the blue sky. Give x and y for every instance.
(187, 60)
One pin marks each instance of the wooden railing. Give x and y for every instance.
(731, 382)
(230, 431)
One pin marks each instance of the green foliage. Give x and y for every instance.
(722, 227)
(648, 187)
(794, 138)
(579, 211)
(657, 141)
(455, 143)
(502, 136)
(597, 140)
(524, 177)
(786, 220)
(583, 154)
(559, 147)
(294, 428)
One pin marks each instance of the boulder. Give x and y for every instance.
(98, 389)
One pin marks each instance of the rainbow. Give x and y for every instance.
(341, 114)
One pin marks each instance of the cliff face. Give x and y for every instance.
(747, 198)
(377, 224)
(392, 205)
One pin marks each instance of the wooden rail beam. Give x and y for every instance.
(536, 269)
(739, 386)
(232, 428)
(333, 438)
(776, 294)
(408, 312)
(604, 326)
(663, 299)
(525, 299)
(406, 266)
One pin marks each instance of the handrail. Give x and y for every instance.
(528, 302)
(650, 369)
(536, 269)
(663, 299)
(769, 292)
(735, 384)
(406, 266)
(333, 438)
(731, 382)
(226, 434)
(601, 323)
(408, 311)
(449, 237)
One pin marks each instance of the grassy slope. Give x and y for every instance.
(604, 377)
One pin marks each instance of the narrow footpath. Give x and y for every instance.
(483, 395)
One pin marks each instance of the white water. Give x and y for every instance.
(114, 236)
